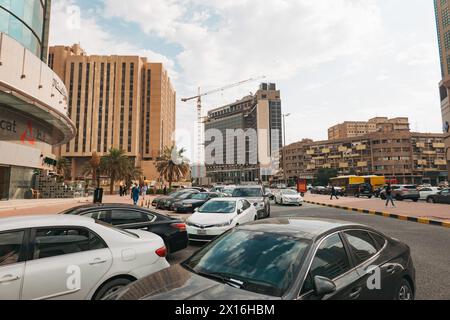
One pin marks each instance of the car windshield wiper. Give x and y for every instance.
(216, 276)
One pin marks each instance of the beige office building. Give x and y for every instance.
(442, 10)
(351, 129)
(122, 102)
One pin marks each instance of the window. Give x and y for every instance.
(10, 247)
(246, 204)
(331, 260)
(97, 215)
(381, 241)
(53, 242)
(120, 217)
(361, 245)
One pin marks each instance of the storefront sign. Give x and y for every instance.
(16, 128)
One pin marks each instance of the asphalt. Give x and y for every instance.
(430, 245)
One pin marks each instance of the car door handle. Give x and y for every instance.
(9, 278)
(97, 261)
(355, 293)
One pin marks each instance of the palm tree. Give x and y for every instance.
(132, 173)
(116, 165)
(172, 165)
(63, 167)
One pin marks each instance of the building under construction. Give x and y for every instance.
(256, 158)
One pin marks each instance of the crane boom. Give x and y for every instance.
(223, 88)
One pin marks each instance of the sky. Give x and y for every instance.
(333, 60)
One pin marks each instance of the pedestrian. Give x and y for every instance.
(333, 193)
(165, 190)
(389, 197)
(135, 192)
(144, 191)
(121, 190)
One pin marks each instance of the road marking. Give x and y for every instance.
(423, 220)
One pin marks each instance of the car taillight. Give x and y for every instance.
(161, 252)
(180, 226)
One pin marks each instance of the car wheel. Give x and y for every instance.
(430, 200)
(111, 287)
(282, 202)
(383, 197)
(404, 291)
(416, 200)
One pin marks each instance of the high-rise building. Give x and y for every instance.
(351, 129)
(33, 99)
(244, 138)
(121, 102)
(442, 10)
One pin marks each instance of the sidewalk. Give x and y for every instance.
(436, 214)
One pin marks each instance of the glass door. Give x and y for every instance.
(5, 173)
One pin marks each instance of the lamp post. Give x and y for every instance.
(284, 145)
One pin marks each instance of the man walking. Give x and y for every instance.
(135, 192)
(389, 197)
(333, 193)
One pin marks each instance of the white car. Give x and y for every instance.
(287, 196)
(217, 216)
(425, 192)
(72, 258)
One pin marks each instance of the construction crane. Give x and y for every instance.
(199, 107)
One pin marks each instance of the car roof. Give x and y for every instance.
(249, 187)
(305, 228)
(23, 222)
(225, 199)
(87, 207)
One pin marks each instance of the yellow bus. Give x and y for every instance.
(344, 181)
(375, 181)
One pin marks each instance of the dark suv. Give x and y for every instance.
(359, 190)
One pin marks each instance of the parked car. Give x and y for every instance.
(289, 197)
(40, 255)
(441, 197)
(425, 192)
(403, 192)
(360, 190)
(166, 203)
(218, 216)
(318, 190)
(257, 196)
(172, 231)
(288, 259)
(196, 201)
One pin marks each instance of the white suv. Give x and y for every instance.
(72, 257)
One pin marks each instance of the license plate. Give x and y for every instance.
(201, 232)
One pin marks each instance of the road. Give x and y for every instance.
(430, 245)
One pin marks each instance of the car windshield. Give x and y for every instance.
(187, 195)
(247, 193)
(260, 262)
(218, 207)
(289, 192)
(200, 196)
(175, 194)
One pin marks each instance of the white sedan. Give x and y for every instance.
(428, 191)
(72, 258)
(287, 196)
(219, 215)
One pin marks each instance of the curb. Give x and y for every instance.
(387, 215)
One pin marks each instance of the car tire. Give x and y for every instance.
(110, 287)
(404, 291)
(416, 200)
(431, 200)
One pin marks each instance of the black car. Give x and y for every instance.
(441, 197)
(196, 201)
(172, 231)
(360, 190)
(289, 259)
(166, 202)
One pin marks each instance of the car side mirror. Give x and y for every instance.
(323, 286)
(239, 211)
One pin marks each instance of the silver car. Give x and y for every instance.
(257, 196)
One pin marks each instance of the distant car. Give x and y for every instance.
(360, 190)
(196, 201)
(257, 196)
(289, 197)
(402, 192)
(425, 192)
(441, 197)
(42, 256)
(166, 203)
(217, 216)
(319, 190)
(287, 259)
(172, 231)
(218, 189)
(200, 189)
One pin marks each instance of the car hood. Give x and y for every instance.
(162, 198)
(211, 218)
(255, 199)
(177, 283)
(192, 201)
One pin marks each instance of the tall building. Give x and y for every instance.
(122, 102)
(442, 10)
(33, 99)
(351, 129)
(408, 157)
(244, 138)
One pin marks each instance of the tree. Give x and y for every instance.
(324, 175)
(92, 168)
(132, 173)
(116, 165)
(63, 167)
(172, 165)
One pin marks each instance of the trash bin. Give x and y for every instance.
(98, 195)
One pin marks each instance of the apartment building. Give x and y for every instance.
(122, 102)
(408, 157)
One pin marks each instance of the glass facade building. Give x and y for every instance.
(27, 22)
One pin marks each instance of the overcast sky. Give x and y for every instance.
(333, 60)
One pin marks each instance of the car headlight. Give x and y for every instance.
(187, 205)
(226, 224)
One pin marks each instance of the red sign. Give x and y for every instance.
(27, 135)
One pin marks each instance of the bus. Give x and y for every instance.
(375, 181)
(345, 181)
